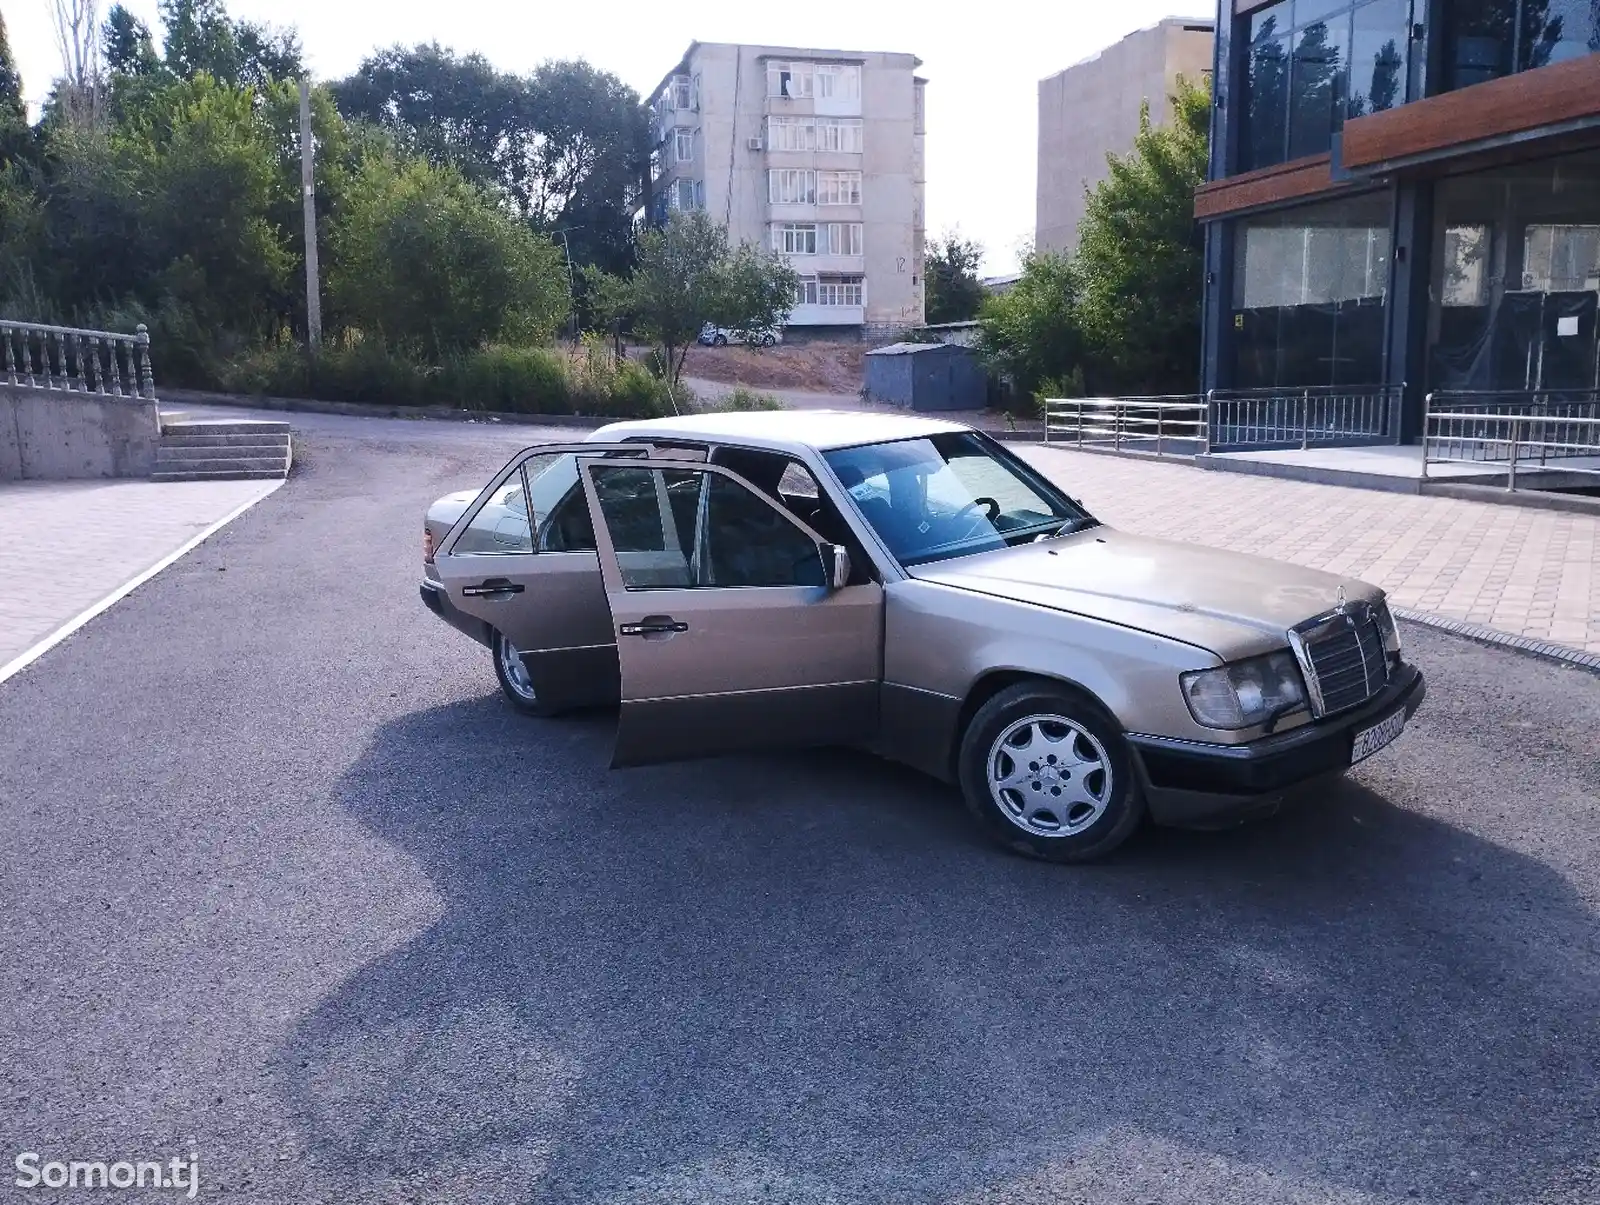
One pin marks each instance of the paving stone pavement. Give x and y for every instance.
(1522, 571)
(66, 545)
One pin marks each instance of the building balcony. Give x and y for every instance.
(828, 315)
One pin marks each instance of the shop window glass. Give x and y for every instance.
(1516, 278)
(1310, 286)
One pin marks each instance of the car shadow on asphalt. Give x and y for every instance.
(808, 977)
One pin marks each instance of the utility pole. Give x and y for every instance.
(308, 184)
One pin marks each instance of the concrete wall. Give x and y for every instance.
(733, 107)
(56, 436)
(1093, 108)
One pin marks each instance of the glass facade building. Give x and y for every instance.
(1404, 196)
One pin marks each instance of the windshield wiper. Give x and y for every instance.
(1073, 526)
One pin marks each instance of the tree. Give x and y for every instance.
(1031, 333)
(15, 138)
(568, 146)
(77, 26)
(685, 276)
(201, 38)
(424, 260)
(127, 45)
(950, 266)
(1140, 259)
(13, 110)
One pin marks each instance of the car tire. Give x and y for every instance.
(513, 675)
(720, 341)
(769, 340)
(1047, 773)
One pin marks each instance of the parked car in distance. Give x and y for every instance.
(721, 336)
(741, 581)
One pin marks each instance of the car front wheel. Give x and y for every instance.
(1047, 774)
(720, 341)
(515, 682)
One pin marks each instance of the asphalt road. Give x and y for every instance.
(284, 884)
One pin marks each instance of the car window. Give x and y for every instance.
(650, 514)
(501, 525)
(948, 495)
(685, 528)
(747, 542)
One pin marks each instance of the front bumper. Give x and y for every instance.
(1194, 783)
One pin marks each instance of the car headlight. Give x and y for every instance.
(1390, 630)
(1245, 694)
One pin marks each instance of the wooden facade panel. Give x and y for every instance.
(1269, 186)
(1514, 104)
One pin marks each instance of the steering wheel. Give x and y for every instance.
(991, 511)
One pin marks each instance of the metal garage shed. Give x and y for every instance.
(926, 376)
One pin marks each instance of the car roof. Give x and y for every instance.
(784, 430)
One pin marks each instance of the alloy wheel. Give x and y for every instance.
(1050, 776)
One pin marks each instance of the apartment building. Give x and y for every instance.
(1404, 199)
(1092, 109)
(815, 153)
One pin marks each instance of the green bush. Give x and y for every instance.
(742, 399)
(518, 380)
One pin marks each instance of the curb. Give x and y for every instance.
(198, 397)
(1543, 649)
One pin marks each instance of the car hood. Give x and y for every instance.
(1231, 603)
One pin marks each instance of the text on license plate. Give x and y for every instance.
(1369, 740)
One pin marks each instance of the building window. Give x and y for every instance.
(790, 134)
(791, 186)
(838, 81)
(794, 238)
(688, 194)
(844, 238)
(805, 292)
(814, 134)
(682, 92)
(838, 188)
(1309, 290)
(839, 290)
(1485, 39)
(1311, 64)
(683, 140)
(795, 81)
(839, 134)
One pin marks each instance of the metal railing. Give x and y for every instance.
(1168, 425)
(1524, 431)
(1318, 416)
(68, 360)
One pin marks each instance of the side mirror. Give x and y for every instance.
(836, 564)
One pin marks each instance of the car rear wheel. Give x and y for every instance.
(515, 682)
(1048, 775)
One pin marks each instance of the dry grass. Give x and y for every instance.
(819, 367)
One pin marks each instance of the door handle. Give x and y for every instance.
(490, 589)
(653, 627)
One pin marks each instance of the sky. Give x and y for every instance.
(983, 62)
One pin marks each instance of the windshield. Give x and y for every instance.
(951, 495)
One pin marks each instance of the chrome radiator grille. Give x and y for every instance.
(1342, 657)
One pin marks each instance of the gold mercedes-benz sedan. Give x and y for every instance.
(769, 580)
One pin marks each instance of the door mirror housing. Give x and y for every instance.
(836, 565)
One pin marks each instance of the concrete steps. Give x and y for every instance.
(223, 450)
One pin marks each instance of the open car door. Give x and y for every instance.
(522, 560)
(733, 625)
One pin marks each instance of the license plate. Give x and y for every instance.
(1369, 740)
